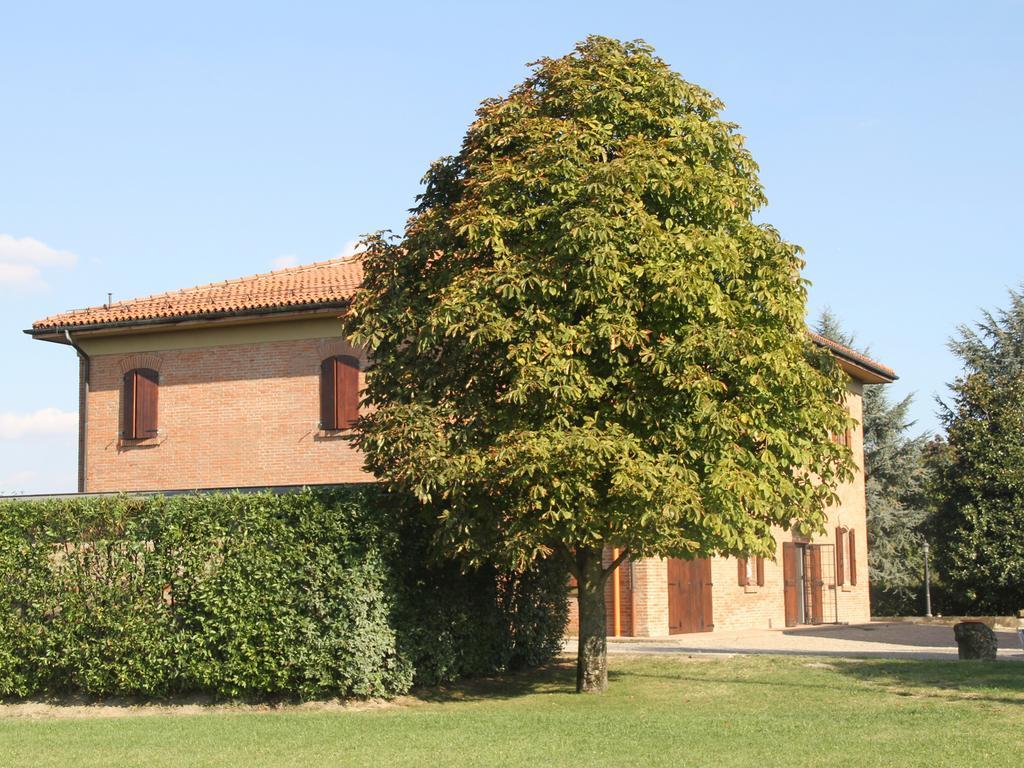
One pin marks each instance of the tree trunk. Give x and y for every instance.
(592, 656)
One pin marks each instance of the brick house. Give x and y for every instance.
(249, 382)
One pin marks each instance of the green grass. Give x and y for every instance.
(671, 711)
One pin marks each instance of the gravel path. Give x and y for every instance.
(889, 640)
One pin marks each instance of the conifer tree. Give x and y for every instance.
(979, 517)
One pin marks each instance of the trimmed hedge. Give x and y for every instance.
(306, 594)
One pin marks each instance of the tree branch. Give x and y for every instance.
(569, 557)
(616, 562)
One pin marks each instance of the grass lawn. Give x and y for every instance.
(672, 711)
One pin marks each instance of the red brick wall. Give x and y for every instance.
(237, 415)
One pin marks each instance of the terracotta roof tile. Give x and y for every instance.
(322, 283)
(326, 282)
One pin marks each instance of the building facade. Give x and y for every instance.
(250, 382)
(813, 579)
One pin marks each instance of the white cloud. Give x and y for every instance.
(53, 479)
(23, 259)
(283, 262)
(19, 274)
(46, 421)
(28, 250)
(15, 482)
(351, 248)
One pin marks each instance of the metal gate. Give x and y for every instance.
(820, 597)
(809, 583)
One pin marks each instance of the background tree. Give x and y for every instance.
(896, 481)
(582, 340)
(979, 487)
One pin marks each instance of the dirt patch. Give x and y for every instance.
(75, 708)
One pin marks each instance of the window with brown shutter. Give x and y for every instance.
(339, 392)
(852, 554)
(750, 572)
(843, 438)
(140, 399)
(840, 564)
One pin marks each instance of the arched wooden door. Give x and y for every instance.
(689, 596)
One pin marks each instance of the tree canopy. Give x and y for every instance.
(979, 485)
(582, 339)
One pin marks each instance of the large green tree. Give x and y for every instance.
(979, 518)
(583, 340)
(896, 488)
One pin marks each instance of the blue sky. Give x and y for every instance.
(146, 147)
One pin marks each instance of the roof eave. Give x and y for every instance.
(56, 332)
(856, 364)
(863, 373)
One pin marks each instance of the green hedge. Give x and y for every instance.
(306, 594)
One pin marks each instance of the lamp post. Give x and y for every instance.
(927, 585)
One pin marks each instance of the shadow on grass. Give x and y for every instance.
(996, 682)
(947, 681)
(741, 650)
(940, 681)
(557, 677)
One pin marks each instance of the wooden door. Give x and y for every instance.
(815, 584)
(689, 596)
(790, 588)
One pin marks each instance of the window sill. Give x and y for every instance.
(127, 444)
(332, 434)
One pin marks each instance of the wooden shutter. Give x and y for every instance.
(760, 571)
(842, 438)
(128, 403)
(789, 583)
(853, 558)
(140, 399)
(328, 412)
(706, 595)
(347, 378)
(840, 565)
(339, 392)
(817, 585)
(741, 572)
(148, 389)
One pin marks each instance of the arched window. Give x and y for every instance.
(139, 398)
(339, 392)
